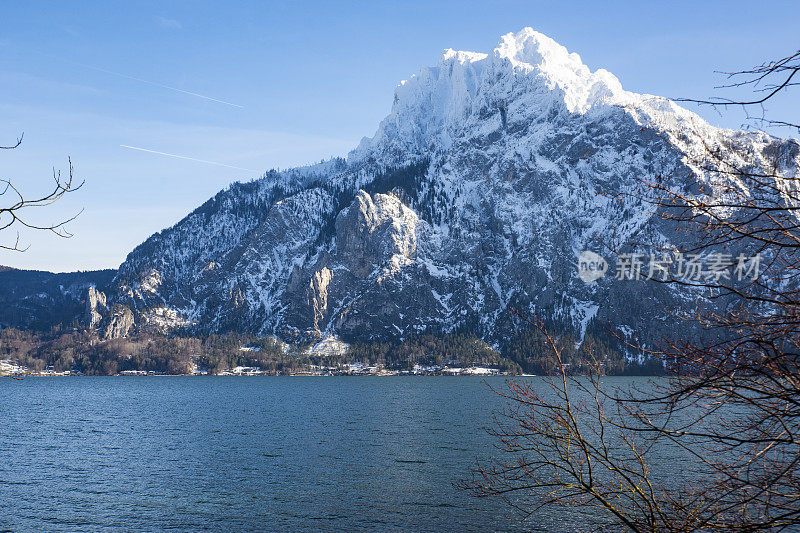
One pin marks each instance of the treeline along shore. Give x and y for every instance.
(73, 351)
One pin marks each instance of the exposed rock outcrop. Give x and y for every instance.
(118, 323)
(95, 305)
(110, 322)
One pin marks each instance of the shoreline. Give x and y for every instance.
(292, 375)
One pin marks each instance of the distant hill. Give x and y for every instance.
(35, 299)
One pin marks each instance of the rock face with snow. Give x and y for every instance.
(95, 302)
(110, 321)
(489, 177)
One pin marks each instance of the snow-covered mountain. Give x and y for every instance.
(479, 190)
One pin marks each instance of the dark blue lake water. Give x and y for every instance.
(248, 454)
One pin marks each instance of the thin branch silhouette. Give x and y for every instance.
(14, 210)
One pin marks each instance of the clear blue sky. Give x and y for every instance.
(311, 78)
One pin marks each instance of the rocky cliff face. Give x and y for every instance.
(95, 303)
(111, 321)
(492, 173)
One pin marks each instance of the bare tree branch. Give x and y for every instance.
(15, 209)
(729, 411)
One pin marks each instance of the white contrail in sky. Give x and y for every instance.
(160, 85)
(185, 157)
(140, 80)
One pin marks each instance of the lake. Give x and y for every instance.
(249, 454)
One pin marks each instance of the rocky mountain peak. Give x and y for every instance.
(526, 75)
(533, 53)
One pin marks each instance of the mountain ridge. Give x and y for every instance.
(477, 192)
(497, 169)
